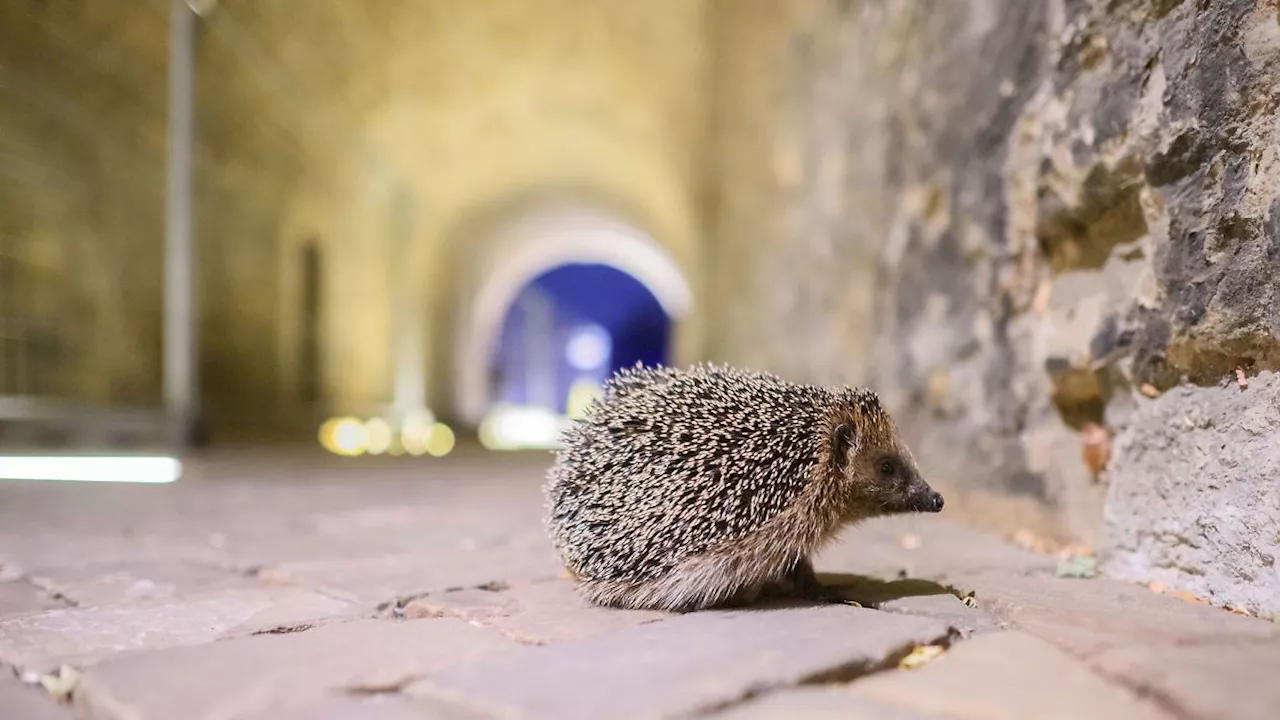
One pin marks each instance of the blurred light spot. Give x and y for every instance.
(441, 441)
(415, 445)
(151, 470)
(378, 434)
(521, 428)
(588, 347)
(581, 393)
(415, 431)
(485, 433)
(344, 436)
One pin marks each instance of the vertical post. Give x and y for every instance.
(409, 392)
(180, 381)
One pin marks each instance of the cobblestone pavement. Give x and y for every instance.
(296, 587)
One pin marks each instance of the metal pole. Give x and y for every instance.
(180, 381)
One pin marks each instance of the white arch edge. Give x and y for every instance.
(529, 248)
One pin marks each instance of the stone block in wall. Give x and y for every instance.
(1194, 502)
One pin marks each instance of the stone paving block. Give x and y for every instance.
(79, 636)
(1214, 681)
(375, 580)
(19, 597)
(346, 707)
(43, 548)
(968, 621)
(263, 675)
(465, 525)
(819, 703)
(534, 613)
(1006, 676)
(698, 661)
(29, 702)
(384, 706)
(923, 547)
(1087, 616)
(137, 582)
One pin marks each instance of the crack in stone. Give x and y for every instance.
(396, 605)
(394, 687)
(840, 675)
(1143, 691)
(285, 629)
(48, 589)
(60, 597)
(854, 671)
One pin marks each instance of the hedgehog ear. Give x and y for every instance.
(841, 443)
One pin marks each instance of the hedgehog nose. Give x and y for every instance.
(935, 502)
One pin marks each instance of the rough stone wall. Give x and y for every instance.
(1073, 209)
(1195, 500)
(791, 281)
(276, 141)
(81, 183)
(83, 120)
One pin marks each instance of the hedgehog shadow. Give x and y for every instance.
(869, 592)
(873, 592)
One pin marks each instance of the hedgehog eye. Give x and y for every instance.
(887, 467)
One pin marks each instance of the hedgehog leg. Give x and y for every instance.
(804, 583)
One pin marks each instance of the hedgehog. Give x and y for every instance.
(711, 486)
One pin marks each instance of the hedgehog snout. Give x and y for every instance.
(926, 501)
(934, 503)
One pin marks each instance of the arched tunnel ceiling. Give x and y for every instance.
(465, 103)
(312, 121)
(328, 113)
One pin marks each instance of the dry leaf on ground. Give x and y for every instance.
(919, 656)
(61, 685)
(1079, 566)
(1033, 542)
(1188, 597)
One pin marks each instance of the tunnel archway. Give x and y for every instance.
(571, 327)
(556, 250)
